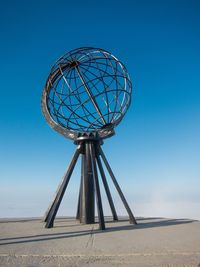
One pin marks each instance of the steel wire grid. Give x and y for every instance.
(88, 91)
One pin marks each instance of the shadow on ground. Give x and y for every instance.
(143, 223)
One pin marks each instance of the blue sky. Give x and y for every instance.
(155, 153)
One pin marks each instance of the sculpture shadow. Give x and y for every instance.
(153, 223)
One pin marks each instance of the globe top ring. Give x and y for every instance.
(88, 91)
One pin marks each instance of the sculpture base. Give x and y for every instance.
(89, 147)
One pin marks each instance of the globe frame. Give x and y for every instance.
(68, 63)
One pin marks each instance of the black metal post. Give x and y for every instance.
(97, 188)
(59, 189)
(78, 205)
(131, 217)
(56, 203)
(110, 200)
(78, 214)
(87, 207)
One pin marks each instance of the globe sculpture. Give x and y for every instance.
(87, 94)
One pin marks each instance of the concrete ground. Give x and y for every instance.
(153, 242)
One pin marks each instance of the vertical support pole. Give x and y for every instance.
(131, 217)
(56, 203)
(87, 207)
(78, 206)
(110, 200)
(97, 188)
(78, 214)
(59, 189)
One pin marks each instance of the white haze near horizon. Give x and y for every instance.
(24, 201)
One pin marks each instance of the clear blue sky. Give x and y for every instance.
(155, 153)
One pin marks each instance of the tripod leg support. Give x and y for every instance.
(79, 212)
(110, 200)
(56, 203)
(131, 217)
(97, 188)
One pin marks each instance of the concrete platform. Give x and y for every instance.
(153, 242)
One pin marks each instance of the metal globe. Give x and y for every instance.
(88, 91)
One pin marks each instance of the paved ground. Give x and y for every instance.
(153, 242)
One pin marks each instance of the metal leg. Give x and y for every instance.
(110, 200)
(54, 199)
(56, 203)
(87, 208)
(131, 217)
(78, 214)
(78, 206)
(97, 188)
